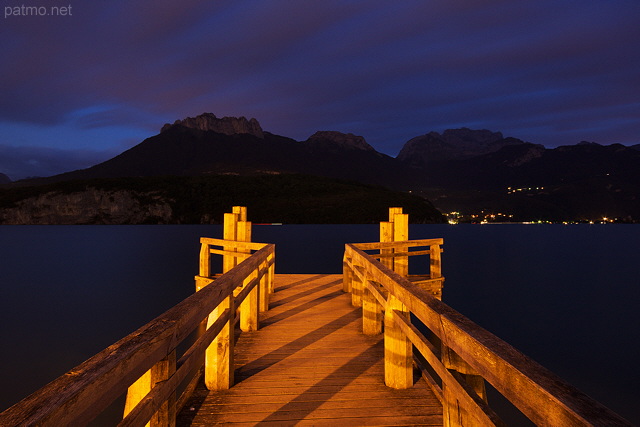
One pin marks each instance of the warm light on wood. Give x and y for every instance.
(312, 342)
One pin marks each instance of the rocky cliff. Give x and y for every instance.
(335, 141)
(288, 198)
(91, 206)
(455, 144)
(225, 125)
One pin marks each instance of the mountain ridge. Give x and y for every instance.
(459, 169)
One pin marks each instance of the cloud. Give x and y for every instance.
(22, 162)
(389, 71)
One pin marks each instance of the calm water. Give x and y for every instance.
(567, 296)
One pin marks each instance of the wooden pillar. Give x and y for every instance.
(356, 287)
(229, 233)
(218, 364)
(263, 293)
(435, 262)
(347, 276)
(371, 313)
(393, 212)
(204, 271)
(272, 274)
(386, 235)
(241, 211)
(454, 413)
(398, 350)
(205, 260)
(161, 371)
(435, 270)
(248, 307)
(401, 233)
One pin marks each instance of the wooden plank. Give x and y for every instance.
(473, 405)
(239, 245)
(401, 233)
(372, 316)
(313, 364)
(538, 393)
(82, 393)
(394, 244)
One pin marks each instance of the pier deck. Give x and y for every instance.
(310, 364)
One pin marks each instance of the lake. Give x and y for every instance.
(567, 296)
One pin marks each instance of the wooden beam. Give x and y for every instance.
(84, 392)
(205, 263)
(407, 243)
(357, 286)
(230, 232)
(538, 393)
(401, 233)
(218, 362)
(238, 245)
(347, 275)
(371, 311)
(398, 356)
(386, 235)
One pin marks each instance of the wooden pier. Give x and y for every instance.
(371, 346)
(310, 364)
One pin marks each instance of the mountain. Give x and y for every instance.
(586, 181)
(4, 179)
(225, 125)
(206, 145)
(203, 199)
(453, 144)
(463, 170)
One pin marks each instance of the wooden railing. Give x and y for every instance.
(459, 355)
(144, 362)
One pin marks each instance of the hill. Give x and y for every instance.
(283, 198)
(583, 182)
(206, 145)
(479, 173)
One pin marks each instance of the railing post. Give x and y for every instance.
(386, 235)
(400, 233)
(435, 268)
(263, 294)
(371, 312)
(272, 274)
(347, 275)
(249, 307)
(454, 413)
(161, 371)
(218, 364)
(398, 350)
(356, 287)
(205, 260)
(229, 233)
(435, 261)
(204, 271)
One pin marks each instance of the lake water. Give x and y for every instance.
(567, 296)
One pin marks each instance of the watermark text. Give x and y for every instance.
(11, 11)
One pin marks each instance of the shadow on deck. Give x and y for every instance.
(310, 364)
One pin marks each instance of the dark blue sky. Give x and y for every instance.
(78, 89)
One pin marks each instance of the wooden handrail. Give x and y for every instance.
(81, 394)
(535, 391)
(396, 244)
(236, 244)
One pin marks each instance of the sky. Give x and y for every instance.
(82, 81)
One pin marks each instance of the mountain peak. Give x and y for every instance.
(225, 125)
(453, 144)
(4, 179)
(334, 139)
